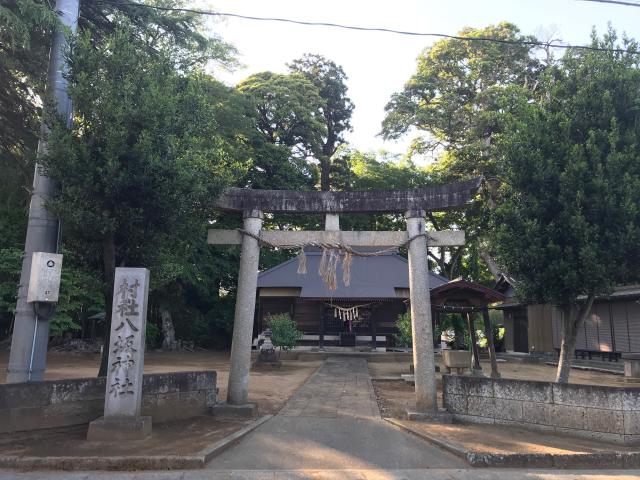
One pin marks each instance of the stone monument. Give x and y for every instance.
(268, 357)
(123, 396)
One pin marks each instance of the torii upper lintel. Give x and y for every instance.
(444, 197)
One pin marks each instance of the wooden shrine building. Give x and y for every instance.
(367, 308)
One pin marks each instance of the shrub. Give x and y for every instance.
(285, 335)
(404, 337)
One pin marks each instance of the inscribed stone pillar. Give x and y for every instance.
(245, 310)
(421, 328)
(123, 396)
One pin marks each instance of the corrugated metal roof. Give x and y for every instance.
(371, 277)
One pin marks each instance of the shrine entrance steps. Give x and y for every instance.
(333, 422)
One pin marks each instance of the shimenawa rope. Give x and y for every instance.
(332, 253)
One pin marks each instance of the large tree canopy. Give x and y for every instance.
(285, 109)
(150, 149)
(455, 103)
(568, 225)
(25, 37)
(336, 107)
(455, 92)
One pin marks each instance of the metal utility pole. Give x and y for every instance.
(42, 229)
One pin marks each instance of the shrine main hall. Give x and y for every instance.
(353, 315)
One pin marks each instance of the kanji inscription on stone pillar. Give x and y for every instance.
(126, 348)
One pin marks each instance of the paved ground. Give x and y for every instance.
(421, 474)
(333, 422)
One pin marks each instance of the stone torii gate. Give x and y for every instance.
(414, 204)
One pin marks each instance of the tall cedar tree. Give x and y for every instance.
(336, 107)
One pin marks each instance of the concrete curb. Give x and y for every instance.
(456, 450)
(122, 463)
(221, 445)
(597, 460)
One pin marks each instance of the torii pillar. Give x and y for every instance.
(413, 202)
(238, 383)
(421, 326)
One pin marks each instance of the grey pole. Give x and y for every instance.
(42, 229)
(421, 328)
(238, 386)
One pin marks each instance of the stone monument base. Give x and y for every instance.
(119, 428)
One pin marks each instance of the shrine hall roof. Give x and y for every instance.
(371, 277)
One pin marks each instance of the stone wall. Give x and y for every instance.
(604, 413)
(57, 403)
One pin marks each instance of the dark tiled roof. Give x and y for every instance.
(371, 277)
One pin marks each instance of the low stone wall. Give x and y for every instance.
(58, 403)
(605, 413)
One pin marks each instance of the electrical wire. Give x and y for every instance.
(614, 2)
(377, 29)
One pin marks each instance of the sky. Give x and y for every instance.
(378, 64)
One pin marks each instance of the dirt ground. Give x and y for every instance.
(517, 370)
(183, 437)
(509, 440)
(396, 396)
(270, 389)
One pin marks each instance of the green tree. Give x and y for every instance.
(355, 170)
(289, 131)
(455, 93)
(146, 157)
(336, 107)
(25, 38)
(568, 226)
(454, 102)
(80, 296)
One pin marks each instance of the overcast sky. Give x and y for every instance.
(378, 64)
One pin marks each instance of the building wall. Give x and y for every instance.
(605, 413)
(385, 316)
(540, 328)
(507, 321)
(612, 326)
(307, 314)
(271, 306)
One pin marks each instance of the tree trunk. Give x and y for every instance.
(325, 171)
(488, 332)
(109, 262)
(573, 317)
(475, 360)
(490, 263)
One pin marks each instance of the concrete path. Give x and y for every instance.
(422, 474)
(333, 422)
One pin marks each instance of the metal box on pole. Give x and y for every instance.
(44, 284)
